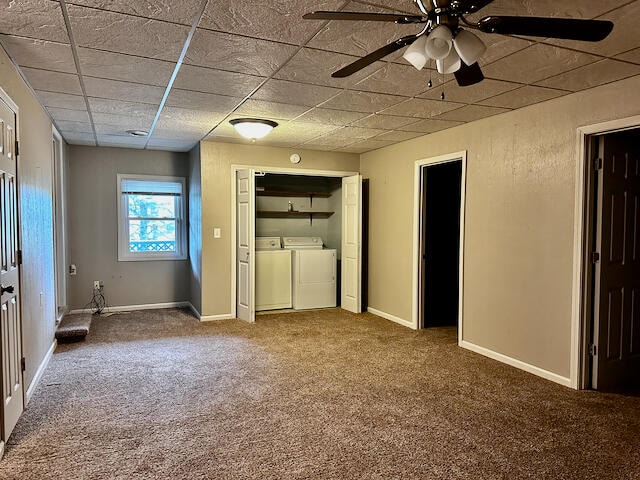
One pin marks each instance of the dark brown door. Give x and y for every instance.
(617, 273)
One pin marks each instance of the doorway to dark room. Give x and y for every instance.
(440, 244)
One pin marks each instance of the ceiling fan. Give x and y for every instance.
(455, 49)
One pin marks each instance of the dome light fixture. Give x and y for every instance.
(138, 133)
(253, 128)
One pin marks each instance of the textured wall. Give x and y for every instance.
(216, 161)
(93, 222)
(35, 179)
(519, 221)
(195, 229)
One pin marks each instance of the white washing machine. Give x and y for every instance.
(273, 274)
(313, 272)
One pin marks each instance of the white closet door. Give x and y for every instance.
(245, 245)
(351, 298)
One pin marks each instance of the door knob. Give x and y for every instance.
(8, 289)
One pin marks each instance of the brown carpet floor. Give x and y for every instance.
(321, 394)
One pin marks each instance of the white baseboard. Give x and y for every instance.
(40, 371)
(554, 377)
(213, 318)
(144, 306)
(393, 318)
(209, 318)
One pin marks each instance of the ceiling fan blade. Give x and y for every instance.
(567, 28)
(471, 6)
(469, 75)
(374, 56)
(363, 16)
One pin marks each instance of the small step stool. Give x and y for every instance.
(73, 328)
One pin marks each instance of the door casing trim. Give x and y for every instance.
(579, 315)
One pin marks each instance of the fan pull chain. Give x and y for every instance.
(442, 81)
(430, 83)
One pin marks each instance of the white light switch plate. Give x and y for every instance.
(216, 233)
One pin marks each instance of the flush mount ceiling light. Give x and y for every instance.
(138, 133)
(253, 128)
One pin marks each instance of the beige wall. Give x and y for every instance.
(216, 160)
(35, 178)
(519, 221)
(93, 221)
(195, 229)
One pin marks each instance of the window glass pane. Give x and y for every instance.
(152, 206)
(152, 235)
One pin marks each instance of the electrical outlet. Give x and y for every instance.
(72, 270)
(96, 284)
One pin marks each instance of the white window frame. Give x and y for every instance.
(124, 255)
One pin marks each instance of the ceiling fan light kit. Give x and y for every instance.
(469, 47)
(416, 53)
(253, 128)
(457, 50)
(439, 42)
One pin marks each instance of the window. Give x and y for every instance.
(151, 222)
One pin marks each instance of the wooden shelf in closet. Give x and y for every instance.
(289, 193)
(287, 214)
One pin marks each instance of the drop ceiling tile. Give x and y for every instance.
(523, 96)
(365, 146)
(630, 56)
(296, 93)
(123, 122)
(119, 107)
(624, 36)
(75, 127)
(536, 63)
(42, 54)
(170, 145)
(279, 21)
(421, 108)
(121, 141)
(499, 46)
(120, 33)
(471, 94)
(353, 134)
(62, 100)
(118, 66)
(301, 130)
(326, 143)
(547, 8)
(202, 101)
(592, 75)
(397, 136)
(270, 110)
(330, 117)
(430, 126)
(187, 119)
(184, 11)
(385, 122)
(66, 114)
(40, 19)
(316, 67)
(110, 129)
(397, 79)
(358, 38)
(52, 81)
(189, 134)
(208, 80)
(470, 113)
(74, 138)
(117, 90)
(362, 101)
(237, 54)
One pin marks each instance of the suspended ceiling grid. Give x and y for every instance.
(181, 70)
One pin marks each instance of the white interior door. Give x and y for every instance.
(351, 296)
(10, 327)
(245, 245)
